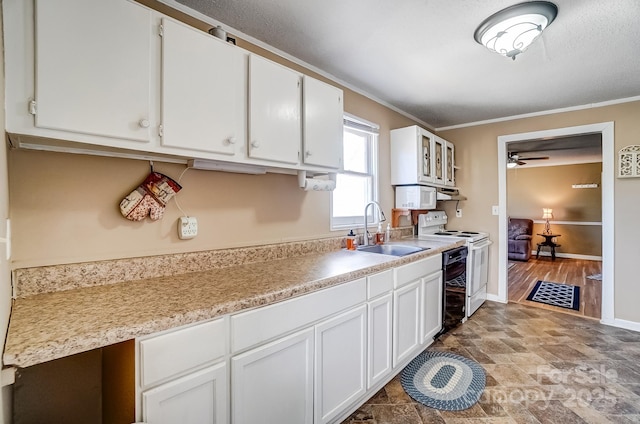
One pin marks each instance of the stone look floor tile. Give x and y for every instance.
(541, 367)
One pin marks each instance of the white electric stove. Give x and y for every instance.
(432, 226)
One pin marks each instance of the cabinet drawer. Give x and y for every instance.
(378, 284)
(259, 325)
(174, 353)
(410, 272)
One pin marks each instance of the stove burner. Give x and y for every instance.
(470, 232)
(443, 234)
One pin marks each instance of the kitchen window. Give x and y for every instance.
(357, 184)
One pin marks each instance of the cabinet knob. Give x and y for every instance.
(144, 123)
(230, 140)
(308, 153)
(255, 144)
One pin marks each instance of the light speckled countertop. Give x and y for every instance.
(48, 326)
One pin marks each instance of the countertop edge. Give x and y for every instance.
(36, 353)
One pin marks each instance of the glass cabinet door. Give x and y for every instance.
(427, 168)
(438, 161)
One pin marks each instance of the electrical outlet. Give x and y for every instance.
(458, 213)
(187, 227)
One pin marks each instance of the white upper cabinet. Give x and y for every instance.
(275, 97)
(115, 77)
(412, 156)
(322, 124)
(93, 68)
(203, 91)
(419, 157)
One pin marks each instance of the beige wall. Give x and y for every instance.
(477, 154)
(531, 189)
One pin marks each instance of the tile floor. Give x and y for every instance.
(541, 366)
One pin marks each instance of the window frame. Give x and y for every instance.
(362, 126)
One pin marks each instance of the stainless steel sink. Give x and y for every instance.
(391, 249)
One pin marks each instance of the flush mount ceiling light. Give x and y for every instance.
(510, 31)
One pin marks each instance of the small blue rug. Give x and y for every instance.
(556, 294)
(444, 381)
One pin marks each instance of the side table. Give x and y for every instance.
(548, 241)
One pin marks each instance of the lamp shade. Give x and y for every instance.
(547, 213)
(510, 31)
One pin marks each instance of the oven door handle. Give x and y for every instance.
(481, 245)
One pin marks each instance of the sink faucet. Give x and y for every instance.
(366, 231)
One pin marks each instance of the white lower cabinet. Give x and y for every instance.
(198, 398)
(273, 383)
(307, 360)
(340, 376)
(406, 321)
(380, 327)
(432, 310)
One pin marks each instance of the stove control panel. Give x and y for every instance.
(432, 219)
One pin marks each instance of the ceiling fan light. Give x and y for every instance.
(510, 31)
(511, 164)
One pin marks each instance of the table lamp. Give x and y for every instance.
(547, 214)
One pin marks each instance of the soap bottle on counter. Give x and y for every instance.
(387, 234)
(351, 240)
(379, 234)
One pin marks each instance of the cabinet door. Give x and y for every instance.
(275, 129)
(93, 67)
(322, 124)
(199, 398)
(450, 176)
(406, 321)
(340, 363)
(438, 160)
(432, 306)
(274, 383)
(426, 143)
(203, 91)
(379, 341)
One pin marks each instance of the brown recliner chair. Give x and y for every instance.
(520, 232)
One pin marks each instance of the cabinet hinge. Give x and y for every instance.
(32, 107)
(160, 130)
(160, 30)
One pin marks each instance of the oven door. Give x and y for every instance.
(477, 275)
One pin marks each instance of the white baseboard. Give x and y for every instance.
(570, 256)
(621, 323)
(496, 298)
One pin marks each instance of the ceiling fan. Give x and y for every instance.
(514, 159)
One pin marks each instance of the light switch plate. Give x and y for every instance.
(187, 227)
(495, 210)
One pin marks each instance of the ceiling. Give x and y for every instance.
(420, 56)
(561, 151)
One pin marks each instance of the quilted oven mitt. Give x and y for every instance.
(150, 198)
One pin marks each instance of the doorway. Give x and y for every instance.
(606, 130)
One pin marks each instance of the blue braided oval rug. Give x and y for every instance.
(443, 380)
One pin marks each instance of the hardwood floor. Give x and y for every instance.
(524, 275)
